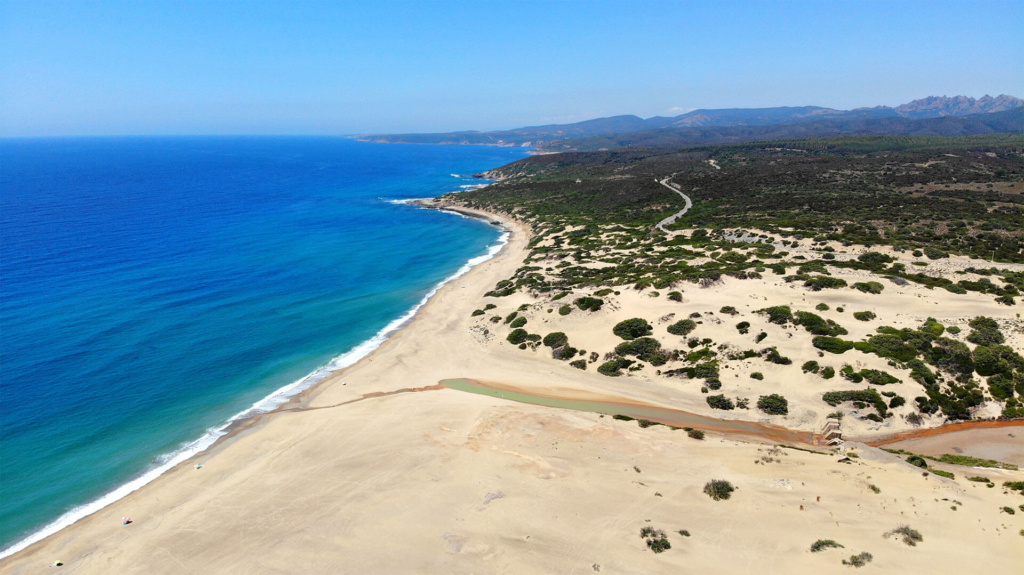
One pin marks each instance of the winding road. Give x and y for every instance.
(671, 219)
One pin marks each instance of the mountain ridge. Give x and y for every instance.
(552, 137)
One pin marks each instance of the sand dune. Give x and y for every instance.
(355, 479)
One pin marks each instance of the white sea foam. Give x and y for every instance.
(269, 403)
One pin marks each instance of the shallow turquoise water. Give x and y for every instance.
(153, 288)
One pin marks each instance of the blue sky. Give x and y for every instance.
(71, 68)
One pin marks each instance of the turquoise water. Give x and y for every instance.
(154, 288)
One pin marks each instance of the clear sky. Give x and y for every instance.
(70, 68)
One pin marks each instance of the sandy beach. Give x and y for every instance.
(379, 469)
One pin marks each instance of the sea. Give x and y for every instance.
(155, 289)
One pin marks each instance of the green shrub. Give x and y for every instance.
(556, 339)
(477, 312)
(934, 253)
(780, 314)
(560, 296)
(869, 287)
(917, 461)
(517, 336)
(818, 325)
(511, 316)
(645, 348)
(579, 364)
(632, 328)
(823, 544)
(760, 337)
(773, 404)
(743, 327)
(832, 344)
(773, 356)
(985, 331)
(695, 434)
(518, 322)
(675, 296)
(728, 309)
(859, 560)
(720, 402)
(757, 375)
(875, 258)
(588, 303)
(656, 539)
(828, 373)
(821, 307)
(909, 536)
(682, 327)
(810, 367)
(719, 489)
(942, 473)
(818, 283)
(864, 315)
(1008, 510)
(612, 368)
(565, 309)
(865, 396)
(659, 545)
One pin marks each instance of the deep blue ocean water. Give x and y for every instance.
(152, 288)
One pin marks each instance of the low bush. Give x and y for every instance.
(810, 367)
(757, 375)
(675, 296)
(720, 402)
(719, 489)
(917, 461)
(772, 355)
(728, 309)
(909, 536)
(743, 327)
(828, 372)
(818, 283)
(644, 348)
(579, 364)
(565, 310)
(821, 307)
(823, 544)
(588, 303)
(632, 328)
(695, 434)
(869, 287)
(780, 314)
(682, 327)
(832, 344)
(859, 560)
(517, 336)
(556, 339)
(864, 315)
(518, 322)
(612, 368)
(773, 404)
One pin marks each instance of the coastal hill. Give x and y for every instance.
(715, 126)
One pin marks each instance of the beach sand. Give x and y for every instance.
(358, 476)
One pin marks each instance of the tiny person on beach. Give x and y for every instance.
(125, 520)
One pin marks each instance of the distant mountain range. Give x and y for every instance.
(934, 115)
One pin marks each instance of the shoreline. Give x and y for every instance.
(281, 399)
(466, 482)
